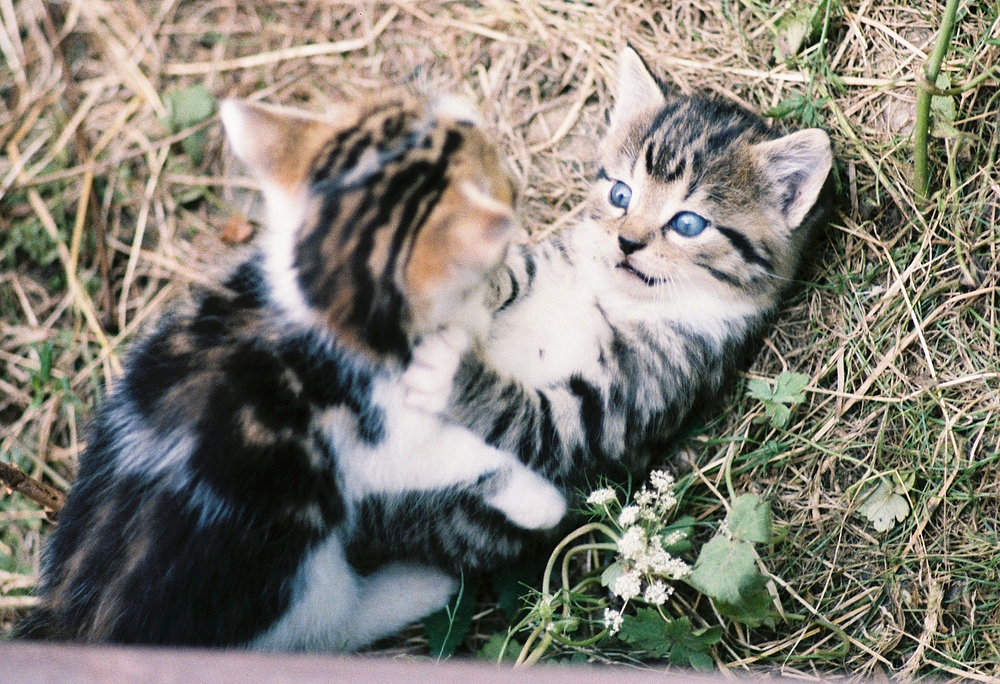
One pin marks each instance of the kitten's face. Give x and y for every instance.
(695, 195)
(394, 213)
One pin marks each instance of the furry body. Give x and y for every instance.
(614, 331)
(223, 477)
(611, 335)
(603, 342)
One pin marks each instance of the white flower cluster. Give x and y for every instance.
(643, 564)
(613, 619)
(603, 496)
(628, 516)
(660, 498)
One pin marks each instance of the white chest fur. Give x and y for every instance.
(551, 334)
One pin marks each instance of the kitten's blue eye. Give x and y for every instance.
(620, 195)
(688, 224)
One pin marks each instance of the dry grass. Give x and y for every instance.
(104, 218)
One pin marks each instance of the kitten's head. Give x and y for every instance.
(387, 217)
(698, 199)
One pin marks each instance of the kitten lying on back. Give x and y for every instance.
(610, 335)
(221, 481)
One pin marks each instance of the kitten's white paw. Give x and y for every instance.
(428, 379)
(393, 597)
(410, 591)
(529, 500)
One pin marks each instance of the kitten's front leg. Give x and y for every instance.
(430, 377)
(525, 497)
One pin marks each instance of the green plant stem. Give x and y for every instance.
(963, 263)
(728, 471)
(962, 88)
(547, 640)
(586, 529)
(579, 549)
(921, 177)
(526, 652)
(581, 644)
(537, 654)
(528, 656)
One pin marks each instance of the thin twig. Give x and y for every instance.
(37, 491)
(297, 52)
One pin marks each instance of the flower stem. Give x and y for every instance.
(526, 652)
(580, 549)
(586, 529)
(537, 654)
(921, 176)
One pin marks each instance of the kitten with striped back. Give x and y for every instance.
(222, 478)
(612, 334)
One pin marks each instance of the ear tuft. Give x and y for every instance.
(458, 108)
(279, 144)
(798, 164)
(637, 89)
(496, 219)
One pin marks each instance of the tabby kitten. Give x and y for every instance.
(222, 477)
(609, 336)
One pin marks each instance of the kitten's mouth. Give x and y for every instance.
(648, 280)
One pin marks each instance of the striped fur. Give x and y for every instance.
(612, 335)
(226, 473)
(622, 327)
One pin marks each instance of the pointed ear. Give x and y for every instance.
(494, 220)
(279, 144)
(798, 165)
(637, 89)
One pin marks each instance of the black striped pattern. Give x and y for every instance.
(652, 377)
(746, 249)
(334, 254)
(136, 557)
(204, 550)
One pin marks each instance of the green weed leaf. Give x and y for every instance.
(944, 111)
(612, 572)
(189, 107)
(750, 519)
(648, 631)
(799, 29)
(756, 607)
(792, 33)
(726, 571)
(721, 567)
(494, 651)
(801, 107)
(683, 524)
(513, 582)
(41, 378)
(886, 503)
(692, 647)
(788, 392)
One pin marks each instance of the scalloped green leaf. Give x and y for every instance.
(886, 505)
(726, 571)
(788, 391)
(189, 107)
(494, 651)
(649, 632)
